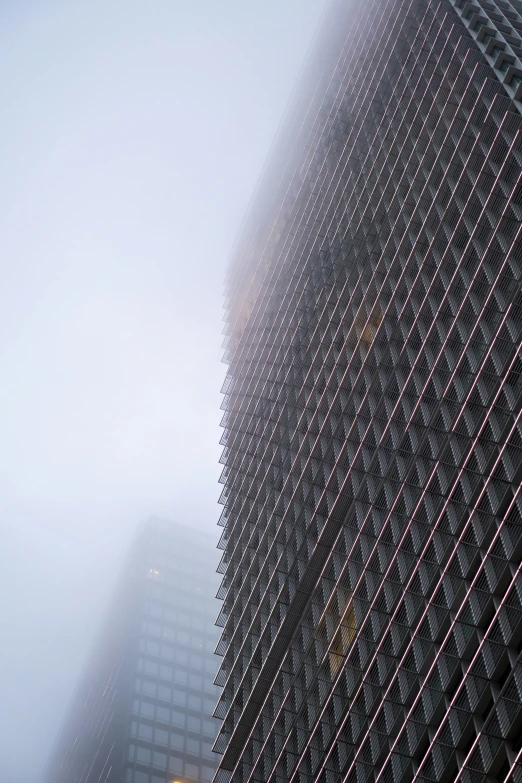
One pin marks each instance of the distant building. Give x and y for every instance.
(142, 712)
(372, 520)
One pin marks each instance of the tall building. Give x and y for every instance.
(143, 709)
(372, 513)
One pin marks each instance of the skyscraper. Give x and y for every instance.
(142, 712)
(372, 513)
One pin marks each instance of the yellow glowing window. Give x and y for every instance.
(364, 329)
(338, 626)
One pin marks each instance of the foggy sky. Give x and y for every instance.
(132, 136)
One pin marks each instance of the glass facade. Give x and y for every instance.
(372, 506)
(143, 710)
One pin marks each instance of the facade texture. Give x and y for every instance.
(372, 520)
(143, 709)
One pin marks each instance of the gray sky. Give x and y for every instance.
(132, 136)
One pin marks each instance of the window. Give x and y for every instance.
(194, 724)
(194, 702)
(150, 667)
(193, 746)
(164, 692)
(196, 682)
(210, 687)
(143, 755)
(141, 777)
(165, 672)
(155, 592)
(208, 773)
(161, 737)
(179, 697)
(181, 677)
(207, 750)
(178, 719)
(147, 709)
(145, 732)
(149, 687)
(167, 652)
(151, 648)
(210, 728)
(163, 714)
(175, 764)
(192, 770)
(159, 760)
(131, 752)
(196, 661)
(176, 740)
(338, 626)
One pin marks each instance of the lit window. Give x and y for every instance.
(337, 626)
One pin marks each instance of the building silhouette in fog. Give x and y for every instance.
(142, 712)
(372, 591)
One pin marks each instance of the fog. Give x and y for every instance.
(132, 136)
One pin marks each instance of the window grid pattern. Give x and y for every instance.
(372, 518)
(143, 710)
